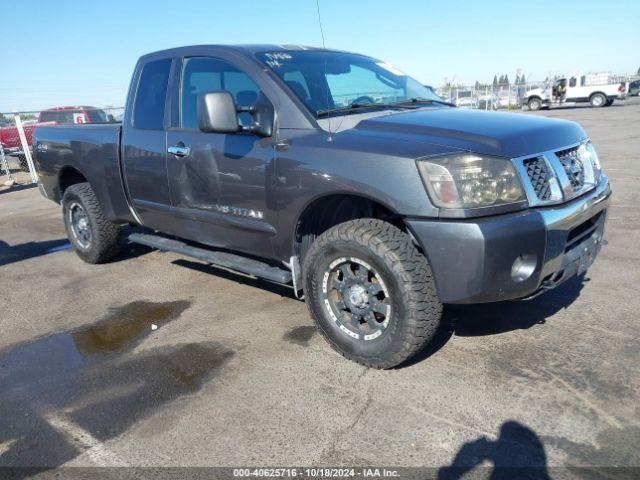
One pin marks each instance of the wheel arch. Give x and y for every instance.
(67, 177)
(327, 210)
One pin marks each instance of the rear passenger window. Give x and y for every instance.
(201, 74)
(148, 110)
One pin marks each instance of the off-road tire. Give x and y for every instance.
(105, 235)
(598, 100)
(416, 310)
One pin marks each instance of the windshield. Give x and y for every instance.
(325, 81)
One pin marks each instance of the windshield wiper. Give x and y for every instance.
(408, 103)
(351, 106)
(414, 101)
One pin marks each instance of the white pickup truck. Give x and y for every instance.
(597, 89)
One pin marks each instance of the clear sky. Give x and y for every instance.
(60, 52)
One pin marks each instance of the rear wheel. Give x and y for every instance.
(94, 238)
(534, 103)
(371, 292)
(598, 100)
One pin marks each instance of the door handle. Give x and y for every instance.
(179, 151)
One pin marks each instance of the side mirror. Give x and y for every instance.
(217, 112)
(263, 115)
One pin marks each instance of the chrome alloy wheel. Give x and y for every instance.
(356, 298)
(80, 227)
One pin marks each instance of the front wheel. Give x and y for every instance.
(371, 292)
(534, 104)
(94, 238)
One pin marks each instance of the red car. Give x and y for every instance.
(58, 115)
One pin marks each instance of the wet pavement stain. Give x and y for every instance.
(124, 327)
(301, 335)
(92, 379)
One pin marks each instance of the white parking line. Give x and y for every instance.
(90, 446)
(5, 446)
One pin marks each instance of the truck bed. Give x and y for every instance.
(90, 150)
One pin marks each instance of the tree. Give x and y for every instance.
(495, 80)
(506, 79)
(523, 80)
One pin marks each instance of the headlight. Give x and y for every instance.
(589, 158)
(470, 181)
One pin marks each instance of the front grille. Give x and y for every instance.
(538, 173)
(573, 167)
(555, 176)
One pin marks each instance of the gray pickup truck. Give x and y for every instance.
(339, 175)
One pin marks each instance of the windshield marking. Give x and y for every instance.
(275, 59)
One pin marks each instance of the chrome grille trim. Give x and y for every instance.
(540, 184)
(573, 167)
(539, 176)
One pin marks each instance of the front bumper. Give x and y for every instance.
(473, 260)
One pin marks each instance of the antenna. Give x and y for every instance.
(325, 67)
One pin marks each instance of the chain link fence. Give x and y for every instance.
(508, 96)
(16, 134)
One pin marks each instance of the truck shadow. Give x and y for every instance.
(17, 187)
(27, 250)
(517, 453)
(501, 317)
(24, 251)
(580, 107)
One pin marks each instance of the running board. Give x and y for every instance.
(231, 261)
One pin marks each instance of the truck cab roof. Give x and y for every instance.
(249, 49)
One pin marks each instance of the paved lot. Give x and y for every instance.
(235, 375)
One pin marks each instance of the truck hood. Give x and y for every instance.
(490, 133)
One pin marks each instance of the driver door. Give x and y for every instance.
(572, 89)
(218, 182)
